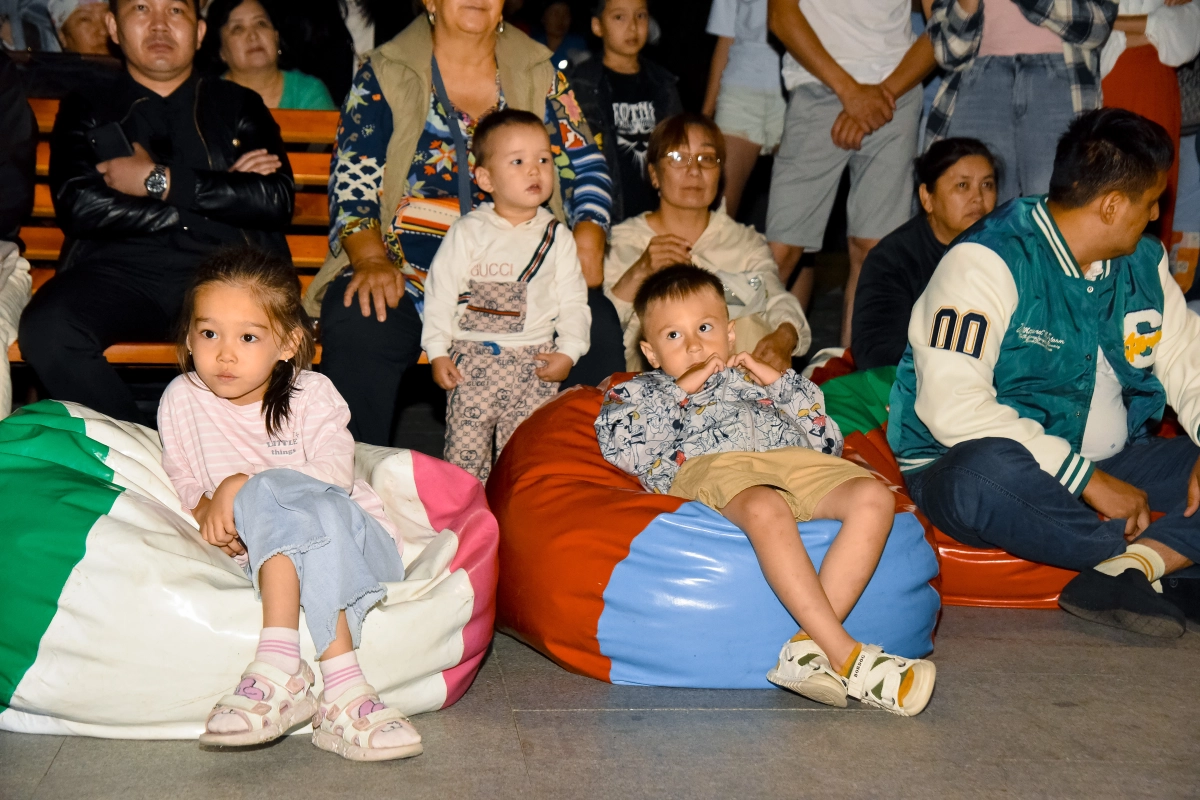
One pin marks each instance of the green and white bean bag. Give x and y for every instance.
(119, 621)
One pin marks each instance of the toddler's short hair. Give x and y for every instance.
(487, 128)
(676, 282)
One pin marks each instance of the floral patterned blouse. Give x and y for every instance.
(415, 229)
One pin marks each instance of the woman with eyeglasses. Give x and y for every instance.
(684, 161)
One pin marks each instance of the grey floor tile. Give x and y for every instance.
(535, 682)
(1038, 627)
(23, 761)
(471, 750)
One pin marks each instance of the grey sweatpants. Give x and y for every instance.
(341, 553)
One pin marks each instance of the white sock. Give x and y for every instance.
(1139, 557)
(279, 647)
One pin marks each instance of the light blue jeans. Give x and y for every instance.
(341, 553)
(1018, 106)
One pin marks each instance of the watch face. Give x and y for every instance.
(156, 183)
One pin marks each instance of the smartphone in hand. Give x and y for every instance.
(109, 142)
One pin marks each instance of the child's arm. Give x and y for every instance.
(796, 395)
(629, 442)
(215, 517)
(442, 287)
(573, 325)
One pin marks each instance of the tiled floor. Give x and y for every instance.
(1028, 703)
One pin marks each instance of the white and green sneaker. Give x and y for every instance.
(805, 669)
(899, 685)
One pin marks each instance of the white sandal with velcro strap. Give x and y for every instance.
(898, 685)
(335, 730)
(270, 703)
(804, 668)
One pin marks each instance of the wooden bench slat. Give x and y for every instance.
(310, 169)
(44, 111)
(45, 244)
(151, 354)
(318, 127)
(43, 206)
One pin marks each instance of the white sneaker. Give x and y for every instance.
(899, 685)
(804, 668)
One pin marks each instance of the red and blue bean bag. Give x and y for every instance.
(625, 586)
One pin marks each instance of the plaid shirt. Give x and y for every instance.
(1083, 25)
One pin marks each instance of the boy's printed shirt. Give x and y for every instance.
(649, 427)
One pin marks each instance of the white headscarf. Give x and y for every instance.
(61, 10)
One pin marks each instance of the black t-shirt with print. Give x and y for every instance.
(634, 119)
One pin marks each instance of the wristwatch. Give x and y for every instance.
(156, 182)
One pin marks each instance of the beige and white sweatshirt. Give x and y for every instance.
(483, 246)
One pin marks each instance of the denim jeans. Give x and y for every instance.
(1018, 106)
(992, 493)
(341, 553)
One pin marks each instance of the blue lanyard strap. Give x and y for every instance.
(462, 156)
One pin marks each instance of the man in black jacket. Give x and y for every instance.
(623, 96)
(208, 169)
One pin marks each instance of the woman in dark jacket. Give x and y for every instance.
(957, 187)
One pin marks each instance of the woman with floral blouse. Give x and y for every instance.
(395, 189)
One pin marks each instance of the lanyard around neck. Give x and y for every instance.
(461, 155)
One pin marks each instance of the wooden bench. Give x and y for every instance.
(307, 239)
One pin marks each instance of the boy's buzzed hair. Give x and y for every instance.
(497, 120)
(676, 282)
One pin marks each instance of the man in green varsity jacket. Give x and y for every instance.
(1049, 340)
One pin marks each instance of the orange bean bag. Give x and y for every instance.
(969, 576)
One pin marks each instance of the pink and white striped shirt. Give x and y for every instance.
(207, 438)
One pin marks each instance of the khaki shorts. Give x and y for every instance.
(755, 116)
(801, 475)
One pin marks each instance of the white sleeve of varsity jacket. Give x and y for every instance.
(574, 325)
(956, 330)
(442, 287)
(1177, 356)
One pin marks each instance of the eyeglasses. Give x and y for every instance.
(678, 160)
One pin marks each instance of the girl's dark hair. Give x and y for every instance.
(216, 16)
(944, 154)
(274, 284)
(672, 132)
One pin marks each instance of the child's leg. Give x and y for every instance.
(472, 411)
(769, 524)
(866, 509)
(526, 393)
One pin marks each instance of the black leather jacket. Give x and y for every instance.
(230, 120)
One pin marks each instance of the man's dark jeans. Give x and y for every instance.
(992, 493)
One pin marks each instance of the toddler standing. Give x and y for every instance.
(257, 447)
(506, 314)
(755, 445)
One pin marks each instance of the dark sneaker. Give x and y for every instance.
(1185, 594)
(1125, 601)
